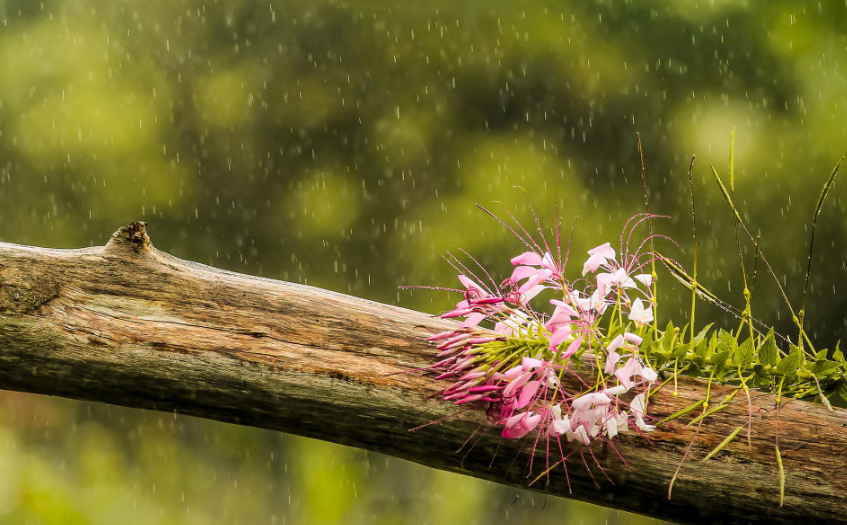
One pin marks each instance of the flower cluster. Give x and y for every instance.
(522, 362)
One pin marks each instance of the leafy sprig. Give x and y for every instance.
(513, 357)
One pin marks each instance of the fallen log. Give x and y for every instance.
(130, 325)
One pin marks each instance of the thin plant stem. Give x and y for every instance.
(818, 208)
(654, 275)
(694, 237)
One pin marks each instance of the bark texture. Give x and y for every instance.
(130, 325)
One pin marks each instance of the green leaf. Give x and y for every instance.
(841, 387)
(720, 358)
(655, 348)
(790, 365)
(702, 334)
(743, 354)
(667, 339)
(680, 350)
(659, 360)
(801, 355)
(700, 351)
(838, 355)
(694, 370)
(704, 346)
(761, 378)
(823, 368)
(726, 341)
(768, 352)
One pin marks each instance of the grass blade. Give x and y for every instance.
(724, 443)
(732, 161)
(682, 412)
(781, 477)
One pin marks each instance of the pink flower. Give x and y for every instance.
(634, 367)
(522, 272)
(632, 338)
(534, 285)
(615, 344)
(598, 257)
(625, 373)
(520, 425)
(579, 435)
(612, 359)
(604, 249)
(560, 335)
(572, 348)
(606, 282)
(537, 270)
(561, 426)
(593, 263)
(563, 312)
(513, 373)
(527, 258)
(520, 398)
(527, 394)
(512, 389)
(528, 363)
(472, 320)
(585, 401)
(588, 304)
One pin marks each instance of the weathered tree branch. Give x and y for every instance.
(130, 325)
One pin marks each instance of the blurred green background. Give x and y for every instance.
(344, 145)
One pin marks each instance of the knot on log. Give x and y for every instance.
(132, 237)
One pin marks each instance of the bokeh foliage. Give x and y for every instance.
(344, 144)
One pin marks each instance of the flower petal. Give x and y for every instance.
(472, 320)
(530, 258)
(527, 393)
(644, 278)
(572, 348)
(604, 249)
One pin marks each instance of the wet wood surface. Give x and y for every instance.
(130, 325)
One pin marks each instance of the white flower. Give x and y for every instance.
(644, 278)
(638, 407)
(648, 374)
(612, 427)
(616, 390)
(615, 344)
(560, 425)
(579, 435)
(611, 362)
(639, 314)
(584, 402)
(607, 281)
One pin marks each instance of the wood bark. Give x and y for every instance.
(130, 325)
